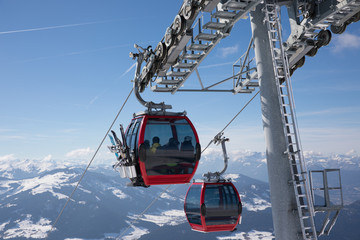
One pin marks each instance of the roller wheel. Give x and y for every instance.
(160, 51)
(188, 11)
(169, 40)
(178, 25)
(141, 85)
(338, 29)
(301, 62)
(312, 52)
(324, 38)
(145, 82)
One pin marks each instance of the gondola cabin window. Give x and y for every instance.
(170, 147)
(192, 206)
(221, 203)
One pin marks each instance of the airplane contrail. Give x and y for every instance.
(215, 65)
(129, 69)
(54, 27)
(94, 99)
(82, 52)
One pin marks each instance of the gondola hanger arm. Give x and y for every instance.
(216, 176)
(144, 55)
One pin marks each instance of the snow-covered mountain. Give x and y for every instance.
(32, 193)
(103, 207)
(253, 164)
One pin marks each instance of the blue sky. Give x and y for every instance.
(64, 75)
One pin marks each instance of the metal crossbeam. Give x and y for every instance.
(189, 40)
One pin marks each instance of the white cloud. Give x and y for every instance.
(82, 152)
(47, 158)
(346, 41)
(351, 152)
(9, 157)
(226, 51)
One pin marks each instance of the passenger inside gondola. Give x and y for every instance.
(173, 144)
(171, 157)
(155, 145)
(187, 145)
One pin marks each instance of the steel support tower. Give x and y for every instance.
(288, 218)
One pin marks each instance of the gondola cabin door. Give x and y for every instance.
(212, 207)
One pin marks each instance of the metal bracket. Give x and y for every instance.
(216, 176)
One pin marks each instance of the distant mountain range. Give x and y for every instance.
(253, 164)
(32, 193)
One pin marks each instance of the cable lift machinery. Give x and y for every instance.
(186, 43)
(158, 146)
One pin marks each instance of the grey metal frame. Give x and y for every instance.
(332, 210)
(288, 177)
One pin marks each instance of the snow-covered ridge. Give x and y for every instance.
(11, 167)
(14, 168)
(37, 185)
(347, 160)
(27, 228)
(169, 217)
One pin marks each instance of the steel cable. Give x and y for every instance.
(92, 159)
(232, 119)
(101, 143)
(143, 212)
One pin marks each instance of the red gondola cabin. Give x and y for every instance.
(166, 149)
(212, 207)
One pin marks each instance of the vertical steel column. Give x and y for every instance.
(284, 209)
